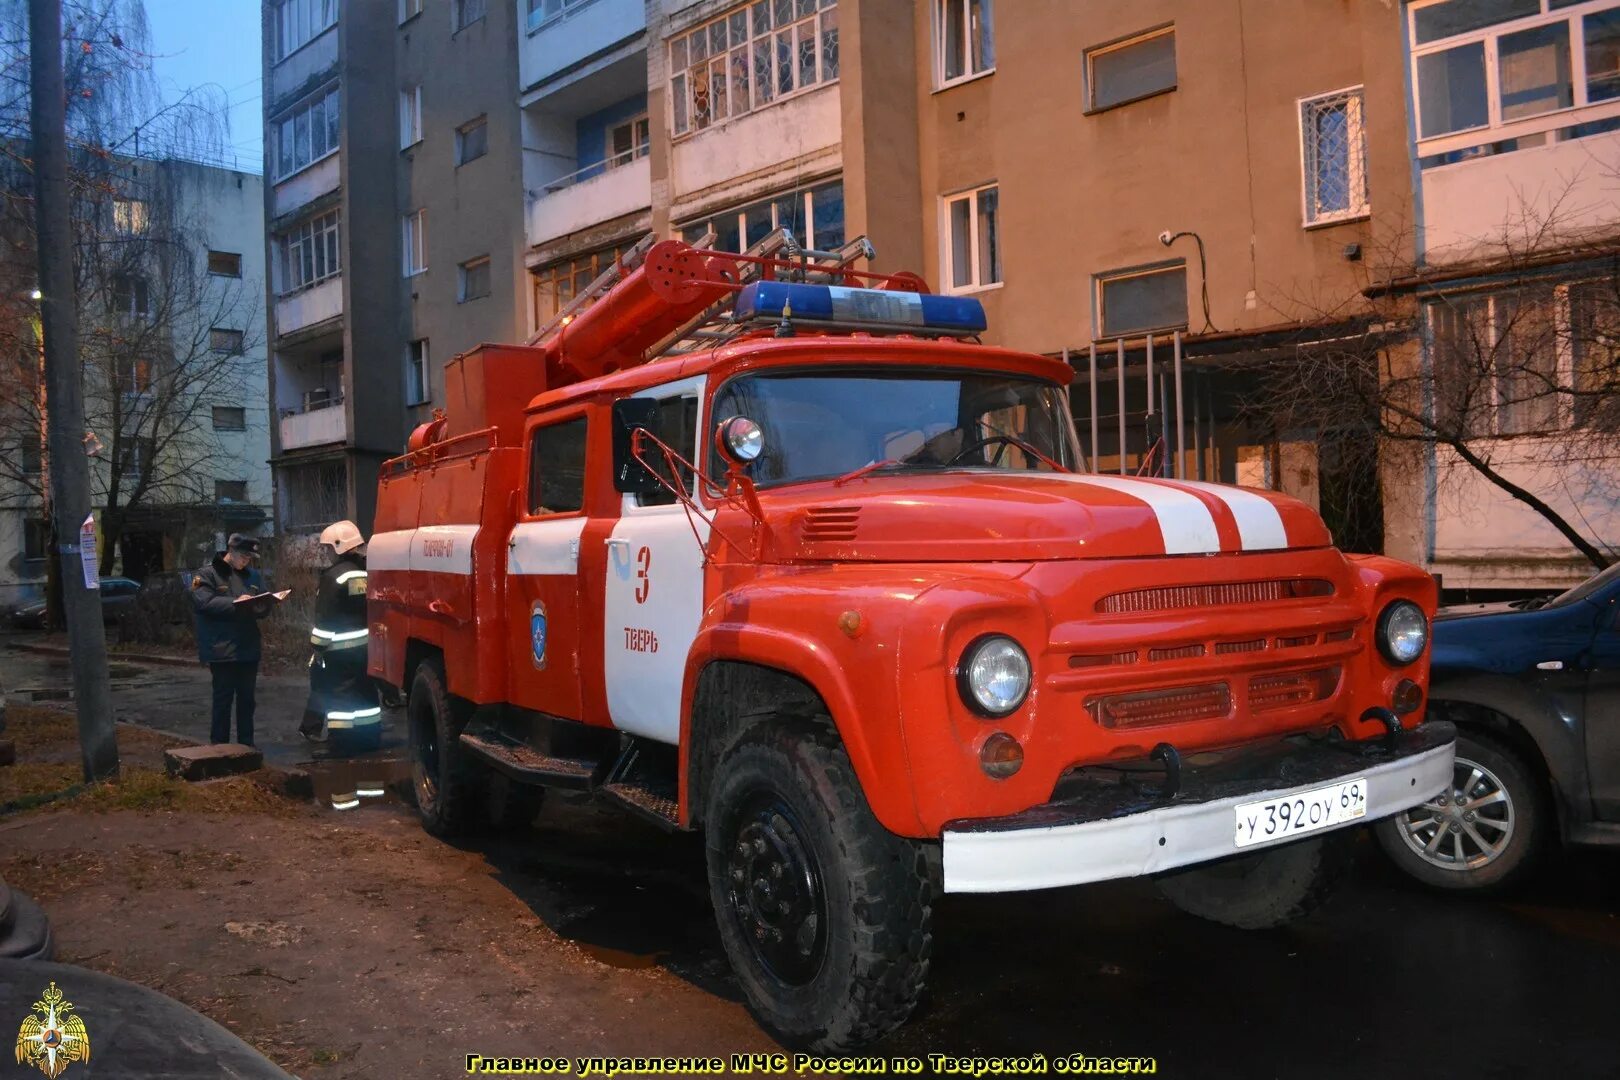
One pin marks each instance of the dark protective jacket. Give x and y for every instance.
(340, 602)
(226, 631)
(341, 694)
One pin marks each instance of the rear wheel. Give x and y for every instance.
(1485, 832)
(1264, 889)
(824, 914)
(444, 780)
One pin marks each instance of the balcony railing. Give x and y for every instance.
(321, 419)
(589, 197)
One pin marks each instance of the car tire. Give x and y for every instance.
(443, 779)
(1263, 889)
(1501, 768)
(825, 915)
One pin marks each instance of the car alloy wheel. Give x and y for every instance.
(1465, 828)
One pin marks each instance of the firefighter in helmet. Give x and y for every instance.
(342, 698)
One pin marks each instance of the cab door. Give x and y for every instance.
(542, 570)
(653, 592)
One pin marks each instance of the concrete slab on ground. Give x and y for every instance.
(208, 762)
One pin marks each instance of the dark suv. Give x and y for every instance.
(1534, 689)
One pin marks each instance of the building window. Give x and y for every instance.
(463, 13)
(557, 468)
(556, 285)
(410, 117)
(417, 387)
(225, 264)
(1594, 321)
(307, 134)
(1494, 363)
(472, 140)
(1520, 64)
(972, 247)
(132, 375)
(131, 296)
(1142, 300)
(543, 11)
(36, 539)
(301, 21)
(221, 340)
(230, 418)
(628, 141)
(473, 278)
(1333, 150)
(1130, 70)
(749, 57)
(230, 491)
(409, 9)
(129, 217)
(415, 242)
(814, 217)
(32, 457)
(310, 252)
(964, 40)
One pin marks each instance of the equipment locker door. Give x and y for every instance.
(542, 572)
(654, 583)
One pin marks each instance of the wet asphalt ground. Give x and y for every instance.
(1389, 980)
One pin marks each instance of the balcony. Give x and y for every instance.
(309, 307)
(293, 73)
(324, 422)
(565, 34)
(589, 197)
(805, 130)
(302, 188)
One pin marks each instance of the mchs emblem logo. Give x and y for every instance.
(52, 1036)
(537, 634)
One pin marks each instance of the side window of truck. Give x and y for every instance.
(675, 427)
(557, 468)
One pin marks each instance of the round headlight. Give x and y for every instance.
(1403, 632)
(742, 439)
(994, 675)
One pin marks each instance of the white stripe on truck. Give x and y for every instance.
(441, 549)
(1259, 524)
(550, 546)
(1185, 522)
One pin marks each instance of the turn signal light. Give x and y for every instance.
(1001, 756)
(1408, 697)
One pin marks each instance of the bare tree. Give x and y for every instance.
(1515, 377)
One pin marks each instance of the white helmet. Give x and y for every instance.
(344, 536)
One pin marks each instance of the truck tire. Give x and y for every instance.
(1265, 889)
(1511, 828)
(444, 781)
(825, 915)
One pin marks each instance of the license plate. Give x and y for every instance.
(1308, 811)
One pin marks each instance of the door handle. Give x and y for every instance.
(617, 541)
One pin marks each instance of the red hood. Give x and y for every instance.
(978, 517)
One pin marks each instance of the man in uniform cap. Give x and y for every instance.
(228, 633)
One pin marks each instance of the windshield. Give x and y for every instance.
(828, 424)
(1590, 587)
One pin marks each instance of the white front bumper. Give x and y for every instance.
(1136, 845)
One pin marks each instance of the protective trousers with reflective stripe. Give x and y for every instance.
(342, 696)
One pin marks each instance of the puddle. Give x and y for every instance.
(350, 783)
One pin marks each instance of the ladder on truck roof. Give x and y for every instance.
(712, 326)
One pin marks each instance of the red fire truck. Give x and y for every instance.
(771, 548)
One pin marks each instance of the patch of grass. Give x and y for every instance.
(148, 790)
(32, 779)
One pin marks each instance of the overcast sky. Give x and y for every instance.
(199, 42)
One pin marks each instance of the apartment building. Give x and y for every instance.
(171, 350)
(394, 207)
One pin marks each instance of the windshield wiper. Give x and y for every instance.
(869, 467)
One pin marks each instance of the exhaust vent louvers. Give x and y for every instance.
(831, 524)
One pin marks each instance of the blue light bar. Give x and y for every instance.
(858, 307)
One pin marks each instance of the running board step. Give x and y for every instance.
(527, 765)
(655, 804)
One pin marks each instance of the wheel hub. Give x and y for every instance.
(775, 892)
(1466, 827)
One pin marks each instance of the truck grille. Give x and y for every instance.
(1210, 701)
(831, 523)
(1176, 597)
(1268, 692)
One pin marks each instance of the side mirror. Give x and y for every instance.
(630, 476)
(740, 441)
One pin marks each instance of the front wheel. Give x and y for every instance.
(1263, 889)
(444, 781)
(825, 915)
(1485, 832)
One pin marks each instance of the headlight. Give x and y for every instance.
(1403, 632)
(994, 675)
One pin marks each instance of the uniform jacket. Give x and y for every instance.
(224, 630)
(340, 602)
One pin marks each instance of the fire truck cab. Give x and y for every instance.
(777, 550)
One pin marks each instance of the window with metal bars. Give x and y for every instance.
(1333, 148)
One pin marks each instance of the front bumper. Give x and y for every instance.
(1100, 830)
